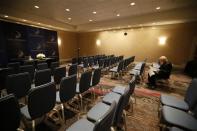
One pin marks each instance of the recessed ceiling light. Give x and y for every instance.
(90, 20)
(158, 8)
(118, 15)
(94, 12)
(132, 4)
(6, 16)
(69, 18)
(67, 10)
(36, 7)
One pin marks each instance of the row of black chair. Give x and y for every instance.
(20, 83)
(139, 69)
(98, 61)
(122, 66)
(41, 65)
(108, 113)
(180, 113)
(42, 99)
(90, 59)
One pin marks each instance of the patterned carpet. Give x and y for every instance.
(145, 113)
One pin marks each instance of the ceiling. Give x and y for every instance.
(53, 14)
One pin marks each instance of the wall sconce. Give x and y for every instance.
(59, 41)
(98, 42)
(162, 40)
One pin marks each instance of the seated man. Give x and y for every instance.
(163, 72)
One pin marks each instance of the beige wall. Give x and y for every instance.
(143, 43)
(68, 46)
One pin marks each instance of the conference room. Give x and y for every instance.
(98, 65)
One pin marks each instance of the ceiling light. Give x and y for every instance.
(67, 10)
(132, 4)
(36, 7)
(6, 16)
(158, 8)
(118, 15)
(69, 18)
(24, 20)
(39, 23)
(90, 20)
(94, 12)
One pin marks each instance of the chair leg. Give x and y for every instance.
(112, 129)
(124, 120)
(94, 94)
(134, 96)
(63, 116)
(33, 125)
(81, 102)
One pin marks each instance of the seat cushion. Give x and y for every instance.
(134, 72)
(110, 97)
(81, 125)
(25, 112)
(119, 89)
(179, 118)
(175, 129)
(95, 67)
(115, 69)
(174, 102)
(97, 111)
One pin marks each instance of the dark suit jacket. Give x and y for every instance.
(165, 71)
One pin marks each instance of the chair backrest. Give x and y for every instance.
(120, 66)
(30, 62)
(95, 60)
(72, 70)
(91, 61)
(121, 105)
(132, 84)
(10, 113)
(85, 62)
(142, 68)
(74, 60)
(191, 94)
(85, 80)
(96, 77)
(42, 66)
(80, 60)
(3, 76)
(41, 100)
(18, 84)
(101, 63)
(15, 66)
(59, 73)
(105, 122)
(54, 65)
(30, 69)
(68, 88)
(195, 111)
(42, 77)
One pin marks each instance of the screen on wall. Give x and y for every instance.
(19, 41)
